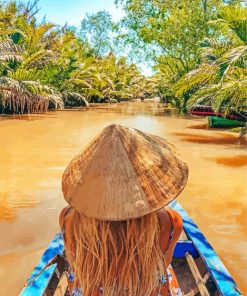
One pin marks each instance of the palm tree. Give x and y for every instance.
(44, 66)
(220, 80)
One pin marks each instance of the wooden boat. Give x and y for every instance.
(197, 268)
(202, 110)
(215, 121)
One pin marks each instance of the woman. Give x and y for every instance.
(118, 239)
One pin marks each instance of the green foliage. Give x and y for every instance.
(43, 66)
(199, 48)
(96, 30)
(221, 82)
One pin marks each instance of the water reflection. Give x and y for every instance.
(145, 108)
(10, 204)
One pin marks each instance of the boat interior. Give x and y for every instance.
(190, 272)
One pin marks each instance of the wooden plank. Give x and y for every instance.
(38, 284)
(62, 286)
(206, 277)
(196, 274)
(193, 292)
(222, 278)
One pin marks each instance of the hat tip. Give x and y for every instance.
(113, 126)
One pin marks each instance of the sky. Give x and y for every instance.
(73, 11)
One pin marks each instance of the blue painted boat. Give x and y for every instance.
(197, 267)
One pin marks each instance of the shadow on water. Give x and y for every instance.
(218, 138)
(198, 126)
(232, 161)
(28, 117)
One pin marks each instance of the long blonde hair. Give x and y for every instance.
(122, 257)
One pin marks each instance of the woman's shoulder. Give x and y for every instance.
(167, 215)
(171, 225)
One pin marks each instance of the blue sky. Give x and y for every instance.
(73, 11)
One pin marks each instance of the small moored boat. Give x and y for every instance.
(215, 121)
(202, 110)
(196, 269)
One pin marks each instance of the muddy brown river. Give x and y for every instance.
(35, 150)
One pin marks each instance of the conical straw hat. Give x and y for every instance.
(123, 174)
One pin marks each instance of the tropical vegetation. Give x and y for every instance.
(198, 51)
(45, 66)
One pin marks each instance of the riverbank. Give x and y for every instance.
(36, 150)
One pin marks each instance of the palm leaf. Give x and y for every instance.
(205, 74)
(56, 100)
(79, 82)
(38, 59)
(72, 98)
(234, 19)
(10, 51)
(230, 95)
(30, 96)
(237, 57)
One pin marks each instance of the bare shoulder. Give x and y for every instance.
(165, 214)
(62, 215)
(163, 217)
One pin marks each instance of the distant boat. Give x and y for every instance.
(203, 110)
(196, 269)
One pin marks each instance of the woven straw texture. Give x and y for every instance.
(123, 174)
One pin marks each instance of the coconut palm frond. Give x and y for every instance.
(25, 75)
(18, 99)
(196, 78)
(31, 81)
(74, 99)
(121, 94)
(79, 82)
(234, 18)
(7, 84)
(31, 96)
(56, 100)
(38, 88)
(231, 94)
(10, 51)
(108, 81)
(240, 29)
(213, 48)
(92, 92)
(37, 37)
(237, 73)
(87, 63)
(237, 57)
(38, 59)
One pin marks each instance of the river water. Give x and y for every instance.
(35, 150)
